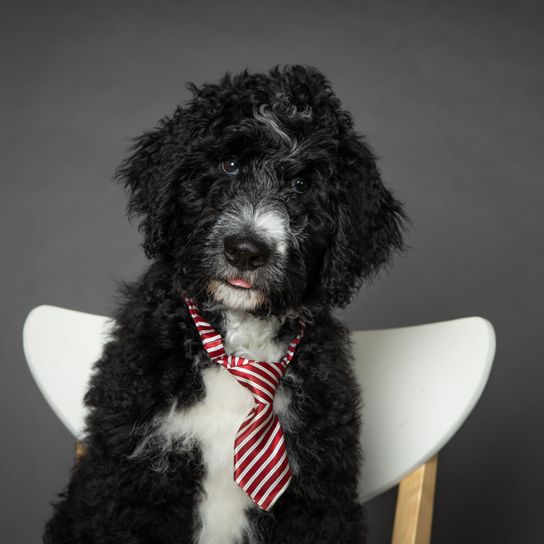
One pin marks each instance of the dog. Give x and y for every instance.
(262, 210)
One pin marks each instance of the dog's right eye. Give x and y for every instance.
(230, 167)
(300, 185)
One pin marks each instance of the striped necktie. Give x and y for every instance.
(261, 467)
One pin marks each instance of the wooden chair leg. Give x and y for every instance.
(414, 512)
(80, 450)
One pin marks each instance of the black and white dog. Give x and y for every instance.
(259, 201)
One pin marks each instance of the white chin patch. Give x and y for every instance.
(235, 297)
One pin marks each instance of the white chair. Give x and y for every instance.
(419, 384)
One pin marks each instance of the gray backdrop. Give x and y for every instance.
(449, 94)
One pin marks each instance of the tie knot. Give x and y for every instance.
(259, 377)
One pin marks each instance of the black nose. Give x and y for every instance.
(245, 252)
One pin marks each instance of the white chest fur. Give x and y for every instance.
(214, 421)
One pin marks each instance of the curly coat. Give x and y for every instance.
(282, 127)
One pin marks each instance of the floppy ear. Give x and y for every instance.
(369, 223)
(148, 174)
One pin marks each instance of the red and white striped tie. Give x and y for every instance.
(261, 467)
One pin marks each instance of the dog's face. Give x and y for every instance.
(262, 196)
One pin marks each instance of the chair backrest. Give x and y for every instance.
(419, 383)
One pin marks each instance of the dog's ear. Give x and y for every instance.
(368, 224)
(149, 176)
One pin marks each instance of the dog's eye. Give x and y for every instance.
(230, 167)
(300, 185)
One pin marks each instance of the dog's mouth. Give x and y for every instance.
(236, 293)
(240, 283)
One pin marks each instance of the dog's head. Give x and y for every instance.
(262, 196)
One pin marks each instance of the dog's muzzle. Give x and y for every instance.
(246, 253)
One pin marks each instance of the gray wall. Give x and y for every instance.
(450, 95)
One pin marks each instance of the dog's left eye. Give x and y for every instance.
(230, 167)
(300, 185)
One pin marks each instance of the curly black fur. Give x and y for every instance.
(342, 230)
